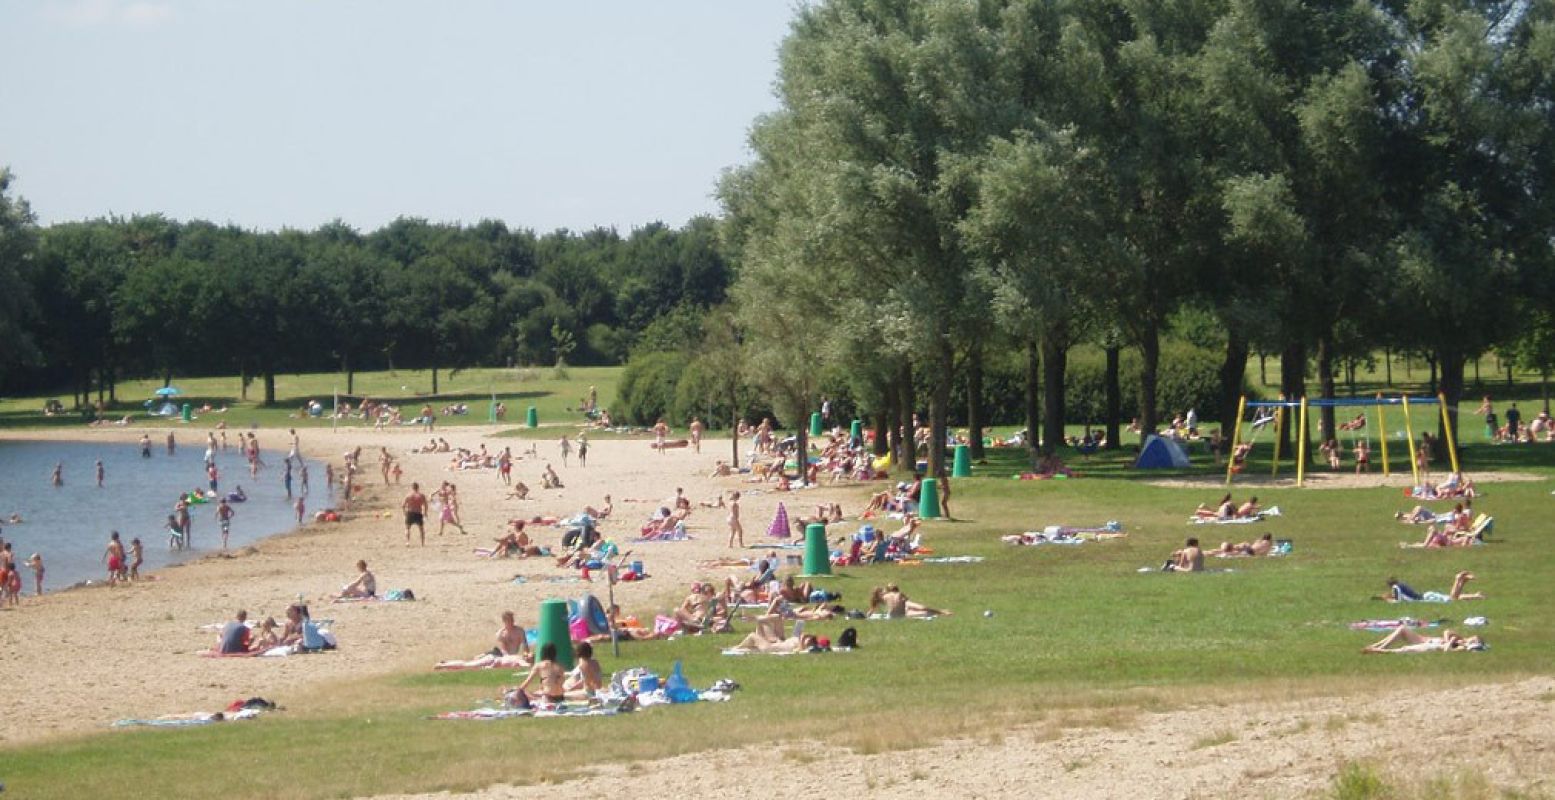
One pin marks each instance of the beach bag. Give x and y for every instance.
(848, 639)
(312, 639)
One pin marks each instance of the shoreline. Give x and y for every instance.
(154, 627)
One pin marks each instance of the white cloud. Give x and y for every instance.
(137, 14)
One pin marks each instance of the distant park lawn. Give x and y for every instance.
(554, 394)
(1079, 635)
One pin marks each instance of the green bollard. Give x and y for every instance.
(856, 431)
(553, 630)
(532, 417)
(188, 415)
(815, 423)
(963, 465)
(928, 499)
(817, 556)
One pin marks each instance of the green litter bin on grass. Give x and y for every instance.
(553, 630)
(815, 423)
(817, 556)
(963, 464)
(532, 417)
(928, 499)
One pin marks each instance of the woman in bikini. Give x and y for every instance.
(551, 676)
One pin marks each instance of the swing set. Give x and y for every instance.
(1273, 413)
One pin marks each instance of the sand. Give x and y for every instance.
(90, 656)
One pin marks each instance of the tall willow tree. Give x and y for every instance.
(878, 100)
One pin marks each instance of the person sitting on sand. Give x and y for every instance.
(552, 679)
(895, 604)
(721, 469)
(1400, 592)
(268, 636)
(1225, 509)
(1406, 640)
(296, 615)
(1187, 559)
(603, 511)
(365, 585)
(520, 491)
(235, 636)
(549, 479)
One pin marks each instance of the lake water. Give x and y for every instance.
(69, 525)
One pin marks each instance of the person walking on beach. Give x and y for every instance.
(100, 473)
(566, 446)
(415, 507)
(505, 466)
(736, 530)
(114, 555)
(696, 434)
(583, 450)
(145, 445)
(224, 514)
(296, 451)
(385, 461)
(58, 476)
(661, 430)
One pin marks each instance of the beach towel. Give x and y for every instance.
(520, 579)
(734, 651)
(947, 560)
(189, 720)
(779, 529)
(1384, 625)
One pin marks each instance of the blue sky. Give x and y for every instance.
(272, 113)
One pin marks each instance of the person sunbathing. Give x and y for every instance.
(895, 604)
(1438, 535)
(1248, 509)
(1405, 640)
(552, 679)
(1258, 547)
(783, 607)
(365, 585)
(268, 637)
(1225, 509)
(1187, 559)
(769, 638)
(1400, 592)
(1420, 515)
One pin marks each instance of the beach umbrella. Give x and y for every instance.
(779, 527)
(168, 391)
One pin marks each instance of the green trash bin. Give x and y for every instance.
(554, 630)
(928, 499)
(817, 556)
(532, 417)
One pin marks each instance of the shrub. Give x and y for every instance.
(648, 385)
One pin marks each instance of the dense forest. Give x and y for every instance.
(977, 210)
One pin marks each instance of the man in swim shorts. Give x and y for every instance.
(114, 555)
(415, 507)
(224, 514)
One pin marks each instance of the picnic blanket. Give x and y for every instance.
(735, 651)
(547, 579)
(189, 720)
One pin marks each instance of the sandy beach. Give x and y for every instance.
(91, 656)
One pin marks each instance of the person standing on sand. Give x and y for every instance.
(302, 508)
(224, 514)
(566, 446)
(114, 555)
(415, 508)
(296, 451)
(58, 476)
(583, 449)
(385, 461)
(660, 432)
(505, 466)
(696, 434)
(427, 418)
(736, 530)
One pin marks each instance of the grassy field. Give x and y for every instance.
(1077, 635)
(553, 395)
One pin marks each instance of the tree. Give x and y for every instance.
(18, 245)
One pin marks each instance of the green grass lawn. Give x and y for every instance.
(553, 396)
(1077, 636)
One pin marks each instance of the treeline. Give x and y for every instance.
(85, 303)
(950, 183)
